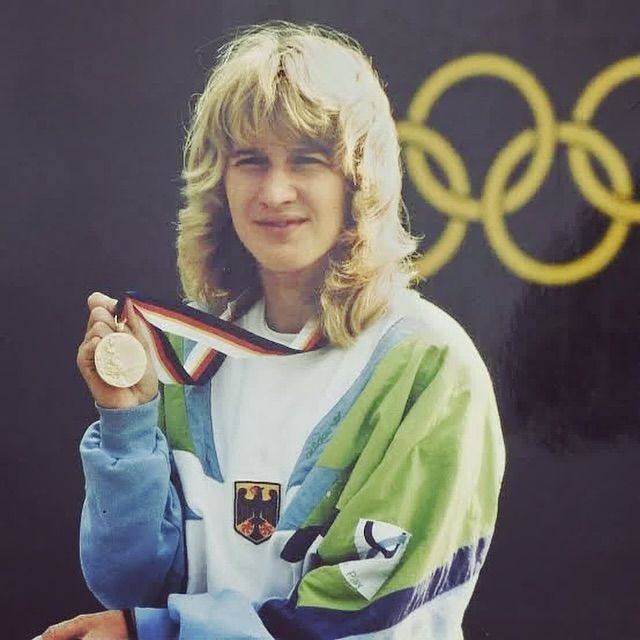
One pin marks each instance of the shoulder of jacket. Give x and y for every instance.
(432, 326)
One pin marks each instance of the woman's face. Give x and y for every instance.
(287, 203)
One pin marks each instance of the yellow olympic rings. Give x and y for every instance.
(496, 200)
(510, 254)
(540, 105)
(596, 91)
(433, 143)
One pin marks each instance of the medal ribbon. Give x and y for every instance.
(215, 338)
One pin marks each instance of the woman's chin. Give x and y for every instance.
(282, 265)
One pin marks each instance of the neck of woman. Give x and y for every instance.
(290, 297)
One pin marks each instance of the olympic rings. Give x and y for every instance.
(599, 88)
(451, 239)
(499, 239)
(455, 200)
(534, 94)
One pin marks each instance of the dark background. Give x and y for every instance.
(94, 97)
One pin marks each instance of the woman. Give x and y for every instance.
(346, 489)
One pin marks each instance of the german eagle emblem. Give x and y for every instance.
(257, 509)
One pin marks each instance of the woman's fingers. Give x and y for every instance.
(100, 329)
(67, 630)
(100, 314)
(98, 299)
(100, 324)
(103, 312)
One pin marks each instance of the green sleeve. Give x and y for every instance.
(421, 457)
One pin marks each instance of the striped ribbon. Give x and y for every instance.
(215, 338)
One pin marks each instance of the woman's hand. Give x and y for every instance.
(101, 323)
(107, 625)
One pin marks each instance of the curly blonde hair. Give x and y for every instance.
(297, 82)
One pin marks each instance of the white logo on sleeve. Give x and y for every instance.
(380, 547)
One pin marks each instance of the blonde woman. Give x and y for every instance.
(348, 488)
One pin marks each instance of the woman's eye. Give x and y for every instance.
(250, 160)
(308, 160)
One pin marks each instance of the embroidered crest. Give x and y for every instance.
(256, 510)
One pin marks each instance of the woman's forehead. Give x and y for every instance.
(298, 143)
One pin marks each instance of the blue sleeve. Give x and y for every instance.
(131, 542)
(225, 614)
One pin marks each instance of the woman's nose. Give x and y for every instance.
(277, 188)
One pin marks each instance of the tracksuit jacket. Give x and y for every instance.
(378, 531)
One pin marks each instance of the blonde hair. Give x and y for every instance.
(297, 81)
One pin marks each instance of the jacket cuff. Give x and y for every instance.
(129, 431)
(130, 621)
(155, 624)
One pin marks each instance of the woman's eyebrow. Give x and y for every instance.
(312, 147)
(244, 151)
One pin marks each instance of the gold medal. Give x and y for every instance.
(120, 358)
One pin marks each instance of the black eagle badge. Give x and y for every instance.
(257, 509)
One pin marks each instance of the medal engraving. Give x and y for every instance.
(120, 360)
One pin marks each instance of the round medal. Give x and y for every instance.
(120, 360)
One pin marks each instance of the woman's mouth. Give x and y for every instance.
(280, 229)
(280, 223)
